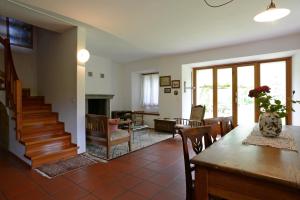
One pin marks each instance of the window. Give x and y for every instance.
(150, 90)
(223, 89)
(19, 33)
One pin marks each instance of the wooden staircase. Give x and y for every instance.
(37, 127)
(42, 134)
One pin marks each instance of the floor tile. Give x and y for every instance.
(89, 197)
(164, 195)
(146, 189)
(109, 191)
(144, 173)
(129, 181)
(73, 192)
(149, 173)
(57, 184)
(130, 196)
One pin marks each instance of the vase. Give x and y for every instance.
(270, 124)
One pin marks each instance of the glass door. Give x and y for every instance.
(245, 105)
(204, 90)
(224, 93)
(224, 89)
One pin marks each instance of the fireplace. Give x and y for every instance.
(98, 104)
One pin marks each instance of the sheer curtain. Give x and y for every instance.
(150, 91)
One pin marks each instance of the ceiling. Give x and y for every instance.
(148, 28)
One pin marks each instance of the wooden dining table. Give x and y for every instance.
(232, 170)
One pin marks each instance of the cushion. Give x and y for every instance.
(119, 133)
(113, 124)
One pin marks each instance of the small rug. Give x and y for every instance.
(65, 166)
(139, 139)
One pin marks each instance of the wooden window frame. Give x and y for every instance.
(234, 67)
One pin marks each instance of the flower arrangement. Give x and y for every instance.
(267, 103)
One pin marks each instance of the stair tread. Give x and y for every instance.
(46, 127)
(33, 106)
(39, 122)
(51, 151)
(45, 138)
(39, 114)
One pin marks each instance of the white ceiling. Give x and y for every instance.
(150, 28)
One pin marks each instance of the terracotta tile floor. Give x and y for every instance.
(155, 172)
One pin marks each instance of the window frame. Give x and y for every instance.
(234, 67)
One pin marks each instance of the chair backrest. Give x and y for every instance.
(227, 125)
(97, 125)
(138, 118)
(196, 136)
(197, 113)
(216, 127)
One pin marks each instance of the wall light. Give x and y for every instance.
(83, 56)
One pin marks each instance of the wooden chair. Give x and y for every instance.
(99, 131)
(227, 125)
(196, 136)
(216, 128)
(196, 119)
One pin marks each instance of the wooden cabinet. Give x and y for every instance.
(165, 125)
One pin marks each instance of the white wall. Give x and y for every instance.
(110, 84)
(187, 94)
(170, 105)
(81, 139)
(57, 74)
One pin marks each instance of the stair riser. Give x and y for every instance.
(45, 110)
(53, 158)
(34, 116)
(27, 108)
(40, 122)
(56, 144)
(42, 134)
(33, 101)
(42, 129)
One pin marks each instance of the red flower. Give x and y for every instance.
(255, 92)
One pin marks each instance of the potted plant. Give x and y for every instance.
(271, 111)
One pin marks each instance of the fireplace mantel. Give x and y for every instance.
(99, 96)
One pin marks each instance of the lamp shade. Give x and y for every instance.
(83, 56)
(272, 14)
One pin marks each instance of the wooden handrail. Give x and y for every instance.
(13, 86)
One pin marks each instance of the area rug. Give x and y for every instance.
(139, 139)
(65, 166)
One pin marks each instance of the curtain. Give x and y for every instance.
(150, 90)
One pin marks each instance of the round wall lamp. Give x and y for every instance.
(83, 56)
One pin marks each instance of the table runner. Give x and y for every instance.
(284, 141)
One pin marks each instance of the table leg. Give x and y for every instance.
(201, 183)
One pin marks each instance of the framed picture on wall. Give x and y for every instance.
(164, 81)
(176, 84)
(167, 90)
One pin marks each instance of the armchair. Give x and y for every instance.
(196, 119)
(103, 131)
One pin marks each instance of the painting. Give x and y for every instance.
(167, 90)
(176, 84)
(164, 81)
